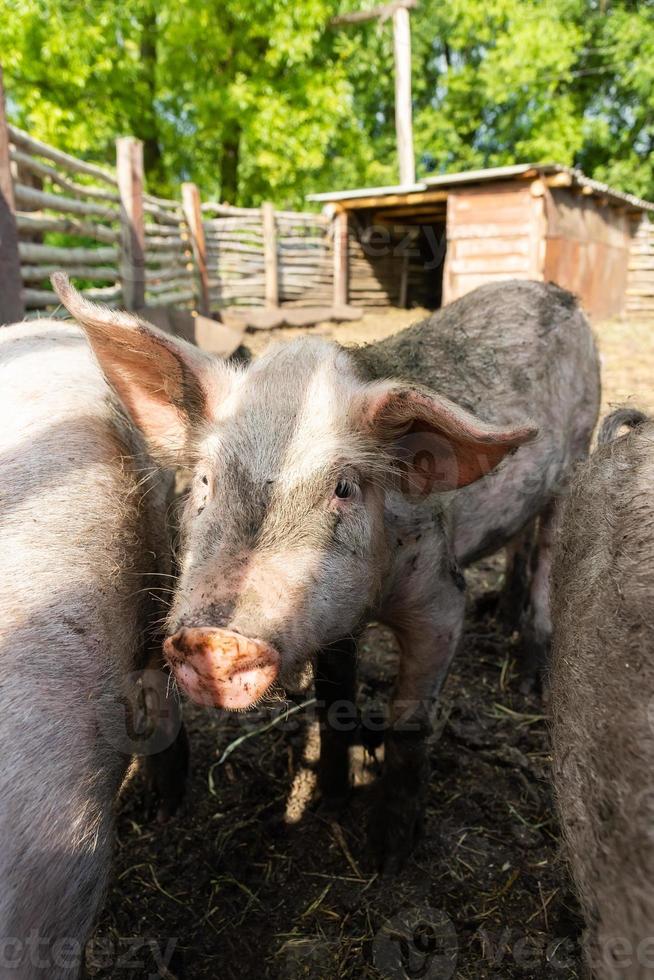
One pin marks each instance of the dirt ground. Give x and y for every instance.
(250, 881)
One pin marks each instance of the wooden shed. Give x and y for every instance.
(428, 243)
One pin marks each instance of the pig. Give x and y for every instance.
(333, 486)
(602, 696)
(83, 556)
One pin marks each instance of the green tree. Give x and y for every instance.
(257, 100)
(505, 81)
(570, 82)
(245, 98)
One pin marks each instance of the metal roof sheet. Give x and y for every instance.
(444, 181)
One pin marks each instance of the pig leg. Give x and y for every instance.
(514, 595)
(336, 695)
(58, 784)
(47, 920)
(428, 638)
(167, 772)
(537, 629)
(157, 714)
(508, 604)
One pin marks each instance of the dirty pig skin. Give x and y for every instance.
(602, 695)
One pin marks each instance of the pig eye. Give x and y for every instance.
(344, 489)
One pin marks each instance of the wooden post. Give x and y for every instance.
(403, 107)
(340, 258)
(404, 283)
(11, 287)
(129, 160)
(193, 215)
(399, 10)
(271, 272)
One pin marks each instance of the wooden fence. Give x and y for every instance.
(125, 247)
(640, 280)
(262, 257)
(68, 215)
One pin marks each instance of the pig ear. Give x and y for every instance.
(166, 385)
(437, 444)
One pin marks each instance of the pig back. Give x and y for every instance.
(82, 507)
(507, 352)
(602, 699)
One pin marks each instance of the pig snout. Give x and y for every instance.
(221, 668)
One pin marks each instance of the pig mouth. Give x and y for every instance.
(220, 668)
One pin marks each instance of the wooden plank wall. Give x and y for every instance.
(391, 265)
(587, 249)
(494, 232)
(374, 279)
(640, 280)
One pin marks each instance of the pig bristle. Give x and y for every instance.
(602, 689)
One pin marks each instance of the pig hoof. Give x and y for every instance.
(330, 807)
(162, 806)
(167, 810)
(486, 604)
(393, 842)
(393, 863)
(534, 684)
(392, 854)
(167, 795)
(534, 660)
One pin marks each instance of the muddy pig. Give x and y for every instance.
(82, 555)
(602, 689)
(333, 486)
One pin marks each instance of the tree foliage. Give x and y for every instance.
(266, 100)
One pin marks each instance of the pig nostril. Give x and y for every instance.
(171, 649)
(222, 644)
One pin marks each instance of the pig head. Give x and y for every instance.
(284, 539)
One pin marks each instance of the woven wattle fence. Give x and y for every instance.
(259, 256)
(126, 248)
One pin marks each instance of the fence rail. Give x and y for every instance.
(67, 215)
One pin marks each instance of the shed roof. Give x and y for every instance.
(555, 173)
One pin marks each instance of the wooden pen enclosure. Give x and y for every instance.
(430, 243)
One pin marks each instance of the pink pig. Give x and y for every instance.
(333, 486)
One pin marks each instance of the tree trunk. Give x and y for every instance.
(229, 165)
(149, 129)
